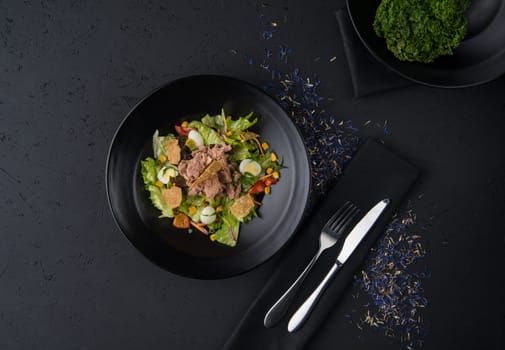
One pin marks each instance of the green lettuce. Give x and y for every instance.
(247, 181)
(209, 135)
(157, 199)
(159, 143)
(149, 171)
(188, 201)
(239, 124)
(215, 122)
(242, 123)
(266, 162)
(244, 150)
(228, 233)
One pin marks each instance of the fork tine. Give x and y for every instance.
(351, 208)
(347, 220)
(338, 213)
(335, 220)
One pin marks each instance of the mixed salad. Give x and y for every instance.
(210, 175)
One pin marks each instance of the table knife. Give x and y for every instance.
(350, 244)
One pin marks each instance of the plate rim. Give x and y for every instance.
(306, 195)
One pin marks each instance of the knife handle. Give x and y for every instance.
(304, 310)
(278, 310)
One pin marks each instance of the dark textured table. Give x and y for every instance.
(71, 70)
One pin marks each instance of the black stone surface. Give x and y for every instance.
(71, 70)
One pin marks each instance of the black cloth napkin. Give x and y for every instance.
(368, 75)
(373, 174)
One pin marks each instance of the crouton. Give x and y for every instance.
(172, 196)
(173, 151)
(242, 206)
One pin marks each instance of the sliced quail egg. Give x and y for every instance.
(196, 138)
(166, 173)
(208, 215)
(250, 166)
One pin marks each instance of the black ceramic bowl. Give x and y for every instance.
(195, 255)
(479, 58)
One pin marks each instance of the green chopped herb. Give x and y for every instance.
(421, 30)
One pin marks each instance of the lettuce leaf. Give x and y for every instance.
(188, 201)
(158, 146)
(244, 150)
(247, 181)
(149, 171)
(159, 143)
(215, 122)
(157, 199)
(209, 135)
(228, 233)
(266, 162)
(242, 123)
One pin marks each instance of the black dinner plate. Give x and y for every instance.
(194, 254)
(479, 58)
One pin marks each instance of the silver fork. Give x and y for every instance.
(330, 233)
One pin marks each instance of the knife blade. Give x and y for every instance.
(351, 242)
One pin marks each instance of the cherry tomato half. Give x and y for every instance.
(258, 187)
(270, 181)
(182, 131)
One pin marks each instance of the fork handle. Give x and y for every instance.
(303, 311)
(278, 310)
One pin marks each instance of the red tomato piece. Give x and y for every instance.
(258, 187)
(182, 131)
(270, 181)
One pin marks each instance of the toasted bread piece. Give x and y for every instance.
(242, 206)
(181, 220)
(173, 151)
(172, 196)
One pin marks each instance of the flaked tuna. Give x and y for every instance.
(203, 177)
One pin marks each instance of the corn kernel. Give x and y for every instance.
(185, 124)
(269, 170)
(276, 174)
(267, 190)
(212, 237)
(229, 133)
(219, 209)
(192, 210)
(159, 183)
(265, 146)
(162, 158)
(273, 157)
